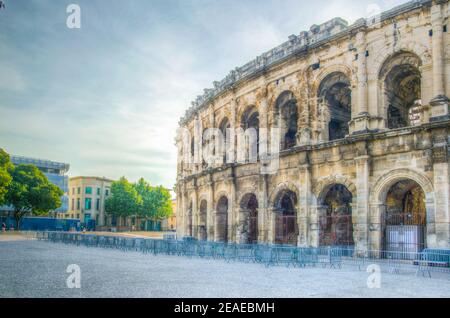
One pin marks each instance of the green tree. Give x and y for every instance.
(156, 201)
(5, 177)
(124, 200)
(30, 192)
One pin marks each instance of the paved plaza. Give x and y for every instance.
(32, 268)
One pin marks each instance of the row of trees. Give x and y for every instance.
(26, 189)
(140, 200)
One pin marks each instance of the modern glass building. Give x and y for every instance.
(56, 173)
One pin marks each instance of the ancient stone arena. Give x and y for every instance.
(39, 269)
(339, 136)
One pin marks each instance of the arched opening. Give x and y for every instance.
(286, 227)
(401, 80)
(249, 121)
(189, 230)
(222, 219)
(336, 95)
(249, 219)
(336, 227)
(405, 219)
(287, 112)
(224, 126)
(202, 227)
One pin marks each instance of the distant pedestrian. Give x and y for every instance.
(3, 227)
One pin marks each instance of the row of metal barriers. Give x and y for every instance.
(268, 255)
(258, 253)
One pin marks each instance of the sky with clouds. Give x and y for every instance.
(107, 98)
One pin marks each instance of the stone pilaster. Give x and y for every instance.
(316, 212)
(211, 210)
(304, 205)
(439, 236)
(360, 208)
(440, 102)
(360, 120)
(263, 218)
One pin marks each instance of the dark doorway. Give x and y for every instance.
(222, 220)
(336, 227)
(249, 206)
(405, 219)
(286, 228)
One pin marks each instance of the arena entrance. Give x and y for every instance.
(286, 227)
(405, 221)
(336, 226)
(249, 219)
(222, 220)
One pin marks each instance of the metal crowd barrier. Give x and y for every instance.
(423, 263)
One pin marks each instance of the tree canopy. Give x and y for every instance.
(31, 192)
(124, 200)
(138, 199)
(5, 177)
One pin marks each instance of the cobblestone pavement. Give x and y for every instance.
(38, 269)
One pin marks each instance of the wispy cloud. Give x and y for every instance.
(107, 98)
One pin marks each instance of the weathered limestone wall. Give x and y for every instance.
(370, 160)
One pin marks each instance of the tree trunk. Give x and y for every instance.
(17, 217)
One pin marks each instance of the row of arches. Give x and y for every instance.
(400, 101)
(405, 212)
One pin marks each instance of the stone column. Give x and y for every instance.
(360, 121)
(316, 213)
(272, 219)
(210, 220)
(232, 209)
(376, 225)
(440, 103)
(263, 219)
(304, 205)
(439, 235)
(360, 206)
(195, 213)
(241, 233)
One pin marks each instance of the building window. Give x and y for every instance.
(88, 190)
(78, 204)
(73, 204)
(73, 190)
(87, 204)
(98, 191)
(107, 192)
(79, 190)
(97, 206)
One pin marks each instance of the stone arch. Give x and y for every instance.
(221, 221)
(334, 104)
(386, 181)
(282, 186)
(336, 68)
(335, 216)
(400, 89)
(379, 215)
(324, 185)
(286, 113)
(248, 143)
(284, 207)
(382, 55)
